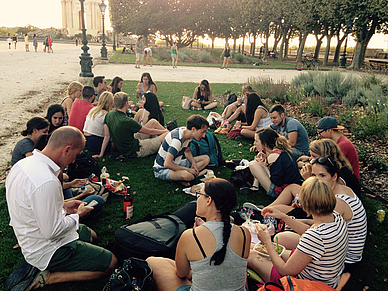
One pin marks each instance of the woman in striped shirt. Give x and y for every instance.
(321, 251)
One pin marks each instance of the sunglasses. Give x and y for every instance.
(198, 194)
(321, 161)
(320, 131)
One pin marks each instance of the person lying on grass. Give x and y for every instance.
(169, 164)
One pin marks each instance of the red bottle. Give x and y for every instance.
(128, 204)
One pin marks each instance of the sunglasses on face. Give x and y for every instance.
(198, 194)
(320, 131)
(321, 160)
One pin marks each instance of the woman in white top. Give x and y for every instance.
(321, 251)
(97, 140)
(212, 255)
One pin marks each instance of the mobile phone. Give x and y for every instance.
(92, 203)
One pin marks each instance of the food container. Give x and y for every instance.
(380, 215)
(262, 250)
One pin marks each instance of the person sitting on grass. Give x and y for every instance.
(213, 254)
(203, 97)
(36, 127)
(81, 108)
(56, 116)
(74, 91)
(150, 110)
(321, 251)
(233, 111)
(145, 85)
(169, 164)
(130, 138)
(273, 168)
(116, 84)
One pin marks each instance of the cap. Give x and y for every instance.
(328, 122)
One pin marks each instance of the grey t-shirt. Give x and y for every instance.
(26, 145)
(290, 125)
(139, 44)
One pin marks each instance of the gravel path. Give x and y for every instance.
(29, 82)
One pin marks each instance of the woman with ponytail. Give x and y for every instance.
(213, 254)
(274, 167)
(36, 127)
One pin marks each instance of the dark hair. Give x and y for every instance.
(35, 122)
(272, 139)
(51, 111)
(88, 92)
(330, 165)
(97, 80)
(152, 106)
(252, 103)
(223, 194)
(197, 121)
(278, 108)
(207, 86)
(140, 37)
(150, 81)
(114, 83)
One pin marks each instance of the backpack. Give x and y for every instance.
(83, 166)
(154, 237)
(289, 283)
(209, 145)
(232, 98)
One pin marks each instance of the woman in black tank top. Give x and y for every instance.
(227, 55)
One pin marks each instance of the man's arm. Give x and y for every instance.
(292, 137)
(169, 163)
(152, 131)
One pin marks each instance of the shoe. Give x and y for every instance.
(245, 190)
(240, 138)
(225, 129)
(18, 275)
(252, 206)
(218, 130)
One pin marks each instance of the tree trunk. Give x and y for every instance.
(254, 45)
(363, 38)
(286, 43)
(243, 45)
(338, 47)
(301, 47)
(318, 46)
(234, 44)
(327, 51)
(266, 42)
(281, 47)
(213, 39)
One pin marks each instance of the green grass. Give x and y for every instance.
(117, 57)
(156, 196)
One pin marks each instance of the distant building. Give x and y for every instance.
(71, 17)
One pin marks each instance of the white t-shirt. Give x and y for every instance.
(95, 126)
(35, 205)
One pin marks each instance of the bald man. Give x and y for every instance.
(46, 227)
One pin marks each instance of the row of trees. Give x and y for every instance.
(186, 20)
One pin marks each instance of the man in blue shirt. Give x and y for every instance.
(291, 129)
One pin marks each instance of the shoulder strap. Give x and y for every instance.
(220, 158)
(64, 99)
(245, 240)
(199, 244)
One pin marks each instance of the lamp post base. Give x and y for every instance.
(342, 62)
(104, 53)
(86, 65)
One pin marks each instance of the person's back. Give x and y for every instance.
(81, 108)
(284, 170)
(350, 153)
(230, 275)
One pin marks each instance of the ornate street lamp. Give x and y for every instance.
(86, 60)
(104, 52)
(342, 65)
(114, 39)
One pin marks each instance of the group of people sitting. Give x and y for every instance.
(315, 189)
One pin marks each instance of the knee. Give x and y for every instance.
(186, 176)
(206, 160)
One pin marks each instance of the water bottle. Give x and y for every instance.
(128, 204)
(104, 173)
(83, 188)
(271, 223)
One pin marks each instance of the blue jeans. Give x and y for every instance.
(67, 194)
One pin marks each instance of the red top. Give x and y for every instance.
(79, 110)
(350, 153)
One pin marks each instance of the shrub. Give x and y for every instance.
(310, 127)
(314, 106)
(371, 126)
(347, 118)
(355, 96)
(239, 57)
(204, 57)
(295, 95)
(367, 157)
(376, 101)
(266, 88)
(305, 81)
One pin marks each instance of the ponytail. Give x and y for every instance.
(281, 143)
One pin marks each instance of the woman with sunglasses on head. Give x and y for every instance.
(320, 253)
(347, 204)
(273, 168)
(212, 255)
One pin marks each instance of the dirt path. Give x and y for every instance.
(29, 82)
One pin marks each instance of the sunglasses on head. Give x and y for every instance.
(321, 160)
(198, 194)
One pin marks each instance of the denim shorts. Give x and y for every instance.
(164, 174)
(271, 191)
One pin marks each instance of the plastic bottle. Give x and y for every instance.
(134, 284)
(83, 188)
(104, 173)
(270, 222)
(128, 204)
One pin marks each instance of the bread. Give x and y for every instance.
(195, 188)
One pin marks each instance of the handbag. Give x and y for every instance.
(186, 102)
(134, 274)
(242, 178)
(99, 189)
(234, 133)
(172, 125)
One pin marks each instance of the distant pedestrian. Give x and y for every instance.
(174, 54)
(9, 40)
(139, 51)
(45, 43)
(76, 41)
(148, 52)
(15, 40)
(27, 42)
(50, 44)
(227, 55)
(35, 43)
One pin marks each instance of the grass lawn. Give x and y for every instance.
(156, 196)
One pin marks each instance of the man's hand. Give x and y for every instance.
(193, 171)
(83, 210)
(72, 206)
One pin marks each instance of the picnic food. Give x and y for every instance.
(262, 250)
(195, 188)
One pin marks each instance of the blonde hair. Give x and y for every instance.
(328, 148)
(119, 100)
(317, 197)
(105, 103)
(74, 87)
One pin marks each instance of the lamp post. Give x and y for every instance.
(86, 60)
(114, 39)
(104, 52)
(343, 58)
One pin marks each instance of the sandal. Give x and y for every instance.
(27, 284)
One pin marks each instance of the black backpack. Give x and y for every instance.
(232, 98)
(83, 167)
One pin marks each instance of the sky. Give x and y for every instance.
(47, 13)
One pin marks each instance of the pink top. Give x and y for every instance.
(350, 153)
(79, 111)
